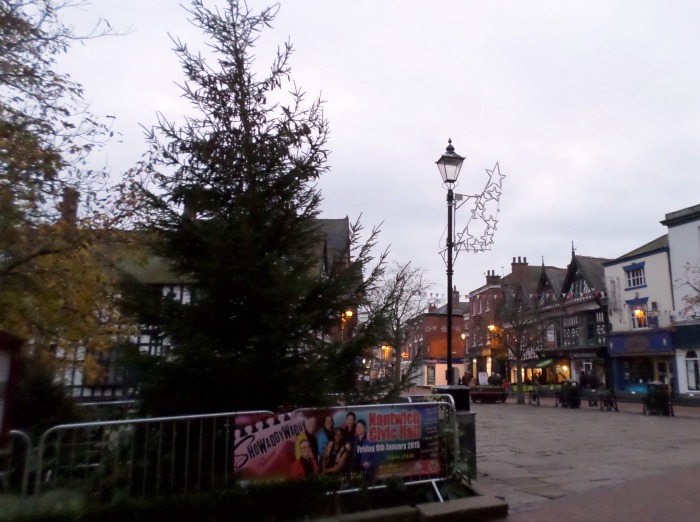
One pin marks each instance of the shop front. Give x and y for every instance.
(640, 358)
(686, 340)
(435, 371)
(537, 371)
(572, 363)
(593, 364)
(482, 361)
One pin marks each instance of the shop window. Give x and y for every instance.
(692, 366)
(641, 371)
(431, 375)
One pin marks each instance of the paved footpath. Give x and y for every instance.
(585, 464)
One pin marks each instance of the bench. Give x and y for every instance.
(533, 396)
(607, 400)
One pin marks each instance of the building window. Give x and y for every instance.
(639, 316)
(635, 275)
(570, 332)
(430, 375)
(635, 278)
(178, 293)
(579, 287)
(692, 366)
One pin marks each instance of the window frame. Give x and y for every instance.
(691, 358)
(639, 320)
(635, 275)
(430, 369)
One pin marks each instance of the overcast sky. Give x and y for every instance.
(591, 108)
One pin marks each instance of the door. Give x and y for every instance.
(662, 373)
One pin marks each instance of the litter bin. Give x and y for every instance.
(459, 393)
(569, 394)
(657, 400)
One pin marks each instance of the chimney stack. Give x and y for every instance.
(519, 268)
(492, 278)
(455, 297)
(69, 205)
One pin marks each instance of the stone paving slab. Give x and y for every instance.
(529, 455)
(671, 496)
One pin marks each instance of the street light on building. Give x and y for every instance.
(449, 165)
(347, 314)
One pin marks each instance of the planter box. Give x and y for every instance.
(488, 394)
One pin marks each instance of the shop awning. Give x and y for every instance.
(538, 363)
(544, 363)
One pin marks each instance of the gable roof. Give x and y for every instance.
(132, 256)
(591, 270)
(528, 278)
(520, 286)
(659, 244)
(458, 308)
(555, 276)
(550, 284)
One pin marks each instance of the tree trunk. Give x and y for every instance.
(519, 380)
(397, 366)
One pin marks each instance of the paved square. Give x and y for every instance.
(530, 454)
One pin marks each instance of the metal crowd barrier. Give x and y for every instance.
(15, 463)
(173, 455)
(139, 457)
(447, 416)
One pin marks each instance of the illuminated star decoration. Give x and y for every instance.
(483, 216)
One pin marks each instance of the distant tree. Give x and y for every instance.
(54, 289)
(691, 278)
(519, 329)
(46, 129)
(400, 298)
(231, 201)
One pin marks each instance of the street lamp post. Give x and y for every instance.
(449, 164)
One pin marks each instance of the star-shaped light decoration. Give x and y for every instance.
(481, 215)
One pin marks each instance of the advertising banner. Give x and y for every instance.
(361, 443)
